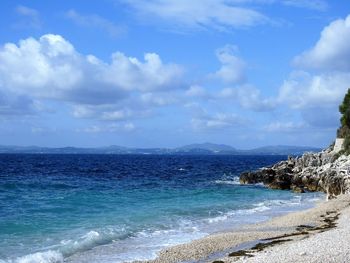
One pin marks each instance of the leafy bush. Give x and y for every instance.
(344, 130)
(344, 109)
(346, 144)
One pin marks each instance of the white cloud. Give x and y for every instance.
(111, 128)
(119, 112)
(217, 121)
(43, 130)
(116, 115)
(232, 69)
(83, 111)
(232, 72)
(221, 15)
(332, 50)
(284, 126)
(43, 68)
(320, 5)
(129, 73)
(26, 11)
(303, 90)
(207, 119)
(316, 95)
(227, 93)
(51, 68)
(11, 105)
(196, 91)
(30, 17)
(199, 14)
(95, 21)
(250, 98)
(159, 98)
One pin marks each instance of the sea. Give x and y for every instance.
(120, 208)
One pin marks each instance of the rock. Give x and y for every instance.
(312, 171)
(279, 185)
(297, 189)
(265, 175)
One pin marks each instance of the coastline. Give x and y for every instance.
(261, 242)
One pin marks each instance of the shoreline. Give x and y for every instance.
(263, 213)
(253, 240)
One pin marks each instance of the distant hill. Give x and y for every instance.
(206, 147)
(284, 150)
(199, 149)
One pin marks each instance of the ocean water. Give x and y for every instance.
(110, 208)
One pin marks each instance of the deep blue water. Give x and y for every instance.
(115, 208)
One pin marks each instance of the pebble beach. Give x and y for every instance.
(313, 235)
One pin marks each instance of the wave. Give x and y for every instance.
(85, 242)
(57, 253)
(229, 179)
(263, 208)
(120, 245)
(39, 257)
(234, 182)
(145, 244)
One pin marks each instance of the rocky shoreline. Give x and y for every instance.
(250, 242)
(327, 171)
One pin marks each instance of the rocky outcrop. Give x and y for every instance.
(324, 171)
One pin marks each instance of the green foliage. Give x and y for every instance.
(346, 145)
(344, 109)
(344, 130)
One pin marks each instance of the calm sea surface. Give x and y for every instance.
(117, 208)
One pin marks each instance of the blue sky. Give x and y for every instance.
(164, 73)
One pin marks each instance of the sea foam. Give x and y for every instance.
(40, 257)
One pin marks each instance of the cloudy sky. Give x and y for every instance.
(164, 73)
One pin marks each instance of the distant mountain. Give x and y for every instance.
(206, 147)
(200, 149)
(283, 150)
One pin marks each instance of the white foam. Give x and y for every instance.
(232, 179)
(147, 243)
(41, 257)
(228, 179)
(143, 246)
(85, 242)
(226, 182)
(217, 219)
(57, 253)
(263, 209)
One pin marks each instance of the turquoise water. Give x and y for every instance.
(110, 208)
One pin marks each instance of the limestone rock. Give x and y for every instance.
(312, 172)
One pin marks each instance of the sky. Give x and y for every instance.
(166, 73)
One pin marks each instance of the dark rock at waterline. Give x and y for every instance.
(323, 171)
(297, 189)
(265, 175)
